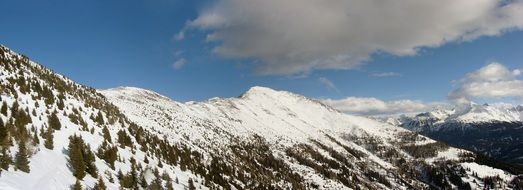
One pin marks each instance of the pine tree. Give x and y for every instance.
(169, 185)
(89, 160)
(160, 163)
(3, 110)
(100, 185)
(81, 158)
(155, 184)
(191, 184)
(36, 140)
(108, 153)
(60, 104)
(21, 161)
(5, 159)
(77, 185)
(54, 122)
(146, 160)
(3, 133)
(100, 119)
(76, 159)
(49, 143)
(107, 134)
(143, 182)
(14, 108)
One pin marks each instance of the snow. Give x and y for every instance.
(487, 171)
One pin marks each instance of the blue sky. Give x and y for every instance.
(107, 44)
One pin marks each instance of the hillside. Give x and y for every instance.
(55, 133)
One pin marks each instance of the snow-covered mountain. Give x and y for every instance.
(55, 133)
(287, 122)
(495, 130)
(469, 113)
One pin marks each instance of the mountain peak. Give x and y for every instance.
(260, 90)
(134, 91)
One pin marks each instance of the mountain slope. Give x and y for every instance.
(55, 133)
(42, 111)
(357, 147)
(494, 130)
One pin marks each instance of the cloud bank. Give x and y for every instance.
(491, 81)
(373, 106)
(298, 36)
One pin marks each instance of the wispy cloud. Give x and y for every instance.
(178, 64)
(328, 84)
(179, 36)
(385, 74)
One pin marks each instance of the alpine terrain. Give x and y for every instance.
(494, 130)
(57, 134)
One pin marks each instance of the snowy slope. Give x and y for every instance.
(264, 139)
(22, 81)
(284, 119)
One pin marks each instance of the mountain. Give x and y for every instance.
(494, 130)
(311, 138)
(55, 133)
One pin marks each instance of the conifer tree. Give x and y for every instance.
(108, 153)
(35, 138)
(3, 133)
(5, 159)
(14, 109)
(169, 185)
(21, 160)
(60, 104)
(3, 110)
(99, 118)
(156, 184)
(143, 182)
(81, 158)
(191, 184)
(54, 122)
(160, 163)
(100, 185)
(107, 134)
(76, 159)
(48, 142)
(77, 185)
(89, 160)
(146, 160)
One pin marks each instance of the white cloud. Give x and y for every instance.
(328, 84)
(298, 36)
(373, 106)
(178, 64)
(491, 81)
(385, 74)
(180, 35)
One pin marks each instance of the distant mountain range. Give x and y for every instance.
(57, 134)
(494, 130)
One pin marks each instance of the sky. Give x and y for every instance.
(407, 54)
